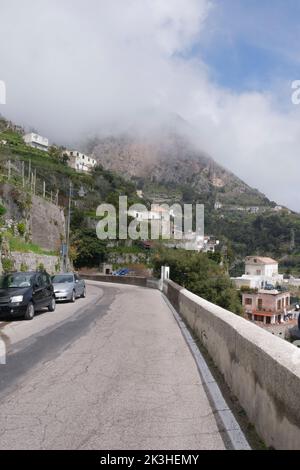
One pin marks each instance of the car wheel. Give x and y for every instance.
(73, 298)
(29, 312)
(52, 305)
(84, 293)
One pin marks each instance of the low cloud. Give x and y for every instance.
(72, 68)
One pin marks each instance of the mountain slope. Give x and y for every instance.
(168, 160)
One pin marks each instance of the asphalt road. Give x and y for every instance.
(111, 372)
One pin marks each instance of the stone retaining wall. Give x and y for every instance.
(33, 261)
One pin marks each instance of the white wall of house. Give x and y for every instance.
(36, 141)
(261, 269)
(80, 161)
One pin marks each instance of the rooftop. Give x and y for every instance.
(260, 260)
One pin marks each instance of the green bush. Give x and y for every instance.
(21, 228)
(57, 267)
(2, 210)
(7, 264)
(24, 268)
(41, 267)
(201, 275)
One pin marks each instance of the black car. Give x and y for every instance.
(22, 294)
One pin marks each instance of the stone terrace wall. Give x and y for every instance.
(33, 261)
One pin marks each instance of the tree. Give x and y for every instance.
(201, 275)
(89, 251)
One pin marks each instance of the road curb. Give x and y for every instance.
(234, 436)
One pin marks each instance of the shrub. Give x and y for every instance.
(24, 268)
(7, 264)
(2, 210)
(57, 267)
(41, 267)
(21, 228)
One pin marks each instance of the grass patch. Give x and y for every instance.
(19, 245)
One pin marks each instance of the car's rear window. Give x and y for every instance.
(62, 279)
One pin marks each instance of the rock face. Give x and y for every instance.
(45, 222)
(170, 158)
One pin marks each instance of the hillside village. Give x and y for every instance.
(36, 251)
(149, 231)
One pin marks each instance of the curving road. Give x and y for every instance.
(111, 372)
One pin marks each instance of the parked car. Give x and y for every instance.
(22, 294)
(68, 286)
(122, 272)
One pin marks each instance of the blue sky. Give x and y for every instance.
(250, 44)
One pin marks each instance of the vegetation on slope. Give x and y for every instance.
(202, 275)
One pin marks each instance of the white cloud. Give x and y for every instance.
(71, 66)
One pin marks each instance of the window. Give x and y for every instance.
(259, 304)
(62, 279)
(287, 301)
(45, 279)
(39, 281)
(248, 301)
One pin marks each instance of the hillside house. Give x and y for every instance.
(260, 272)
(36, 141)
(80, 162)
(267, 306)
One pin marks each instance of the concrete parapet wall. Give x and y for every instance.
(262, 371)
(130, 280)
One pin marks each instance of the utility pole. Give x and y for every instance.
(34, 182)
(29, 171)
(23, 174)
(68, 226)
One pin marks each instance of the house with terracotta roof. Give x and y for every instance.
(267, 306)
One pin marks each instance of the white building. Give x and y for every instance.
(36, 141)
(210, 244)
(260, 272)
(80, 162)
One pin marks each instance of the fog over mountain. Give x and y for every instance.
(76, 69)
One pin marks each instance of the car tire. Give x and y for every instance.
(29, 315)
(83, 296)
(73, 298)
(52, 305)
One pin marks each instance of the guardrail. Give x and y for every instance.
(262, 370)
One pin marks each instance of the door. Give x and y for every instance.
(47, 289)
(38, 292)
(79, 285)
